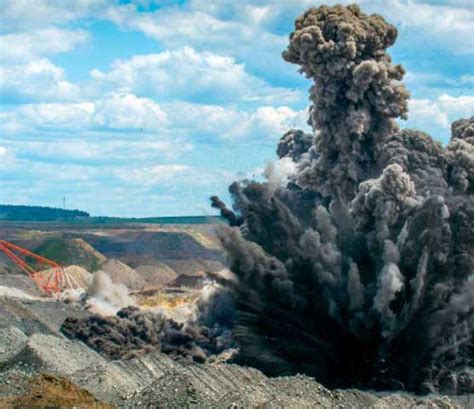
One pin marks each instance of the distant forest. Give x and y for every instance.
(49, 214)
(39, 214)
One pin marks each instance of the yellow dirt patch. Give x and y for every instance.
(51, 392)
(165, 300)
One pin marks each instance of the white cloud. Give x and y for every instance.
(441, 111)
(31, 14)
(132, 114)
(265, 122)
(462, 106)
(115, 111)
(437, 114)
(121, 136)
(448, 24)
(187, 74)
(104, 150)
(127, 111)
(245, 39)
(48, 116)
(28, 45)
(38, 80)
(274, 122)
(152, 175)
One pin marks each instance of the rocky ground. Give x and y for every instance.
(31, 346)
(40, 368)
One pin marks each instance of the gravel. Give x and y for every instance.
(30, 344)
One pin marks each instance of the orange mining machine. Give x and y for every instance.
(53, 280)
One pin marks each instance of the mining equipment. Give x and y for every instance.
(53, 281)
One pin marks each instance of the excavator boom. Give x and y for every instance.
(53, 280)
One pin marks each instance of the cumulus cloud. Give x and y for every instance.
(48, 116)
(38, 80)
(153, 174)
(156, 104)
(102, 149)
(188, 75)
(434, 115)
(31, 14)
(447, 21)
(202, 27)
(114, 111)
(127, 112)
(25, 46)
(265, 122)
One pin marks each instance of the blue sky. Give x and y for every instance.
(145, 108)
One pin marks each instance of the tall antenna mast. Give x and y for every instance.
(64, 202)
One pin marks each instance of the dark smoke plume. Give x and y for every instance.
(226, 213)
(360, 271)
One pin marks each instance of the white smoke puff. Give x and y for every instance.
(71, 296)
(389, 284)
(104, 297)
(226, 275)
(326, 228)
(279, 172)
(417, 284)
(355, 289)
(208, 290)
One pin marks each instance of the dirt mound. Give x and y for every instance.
(49, 391)
(81, 275)
(156, 273)
(187, 267)
(78, 274)
(120, 273)
(135, 244)
(71, 252)
(195, 282)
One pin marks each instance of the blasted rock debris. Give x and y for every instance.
(359, 271)
(132, 333)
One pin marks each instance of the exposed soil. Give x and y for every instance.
(50, 392)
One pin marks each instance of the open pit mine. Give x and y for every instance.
(347, 283)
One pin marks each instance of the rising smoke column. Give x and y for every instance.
(359, 271)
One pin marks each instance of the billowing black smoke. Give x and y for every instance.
(360, 270)
(132, 332)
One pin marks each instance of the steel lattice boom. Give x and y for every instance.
(53, 280)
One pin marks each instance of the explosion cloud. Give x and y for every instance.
(359, 271)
